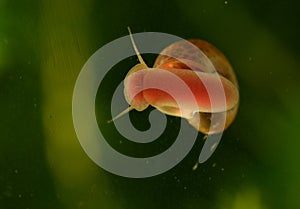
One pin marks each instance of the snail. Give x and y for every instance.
(197, 67)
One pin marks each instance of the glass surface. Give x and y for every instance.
(43, 47)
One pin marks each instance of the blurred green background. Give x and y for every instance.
(43, 46)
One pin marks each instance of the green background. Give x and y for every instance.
(43, 46)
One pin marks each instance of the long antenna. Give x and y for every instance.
(127, 110)
(135, 48)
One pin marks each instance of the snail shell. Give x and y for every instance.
(222, 66)
(189, 63)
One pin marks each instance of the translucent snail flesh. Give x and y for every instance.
(186, 56)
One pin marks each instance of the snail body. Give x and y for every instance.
(199, 66)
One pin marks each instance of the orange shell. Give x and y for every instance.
(221, 64)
